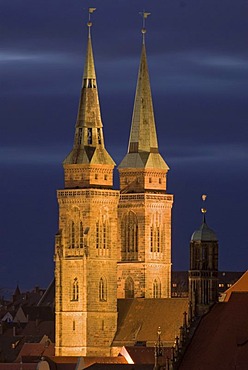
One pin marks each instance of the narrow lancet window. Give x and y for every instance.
(102, 236)
(99, 136)
(156, 289)
(81, 235)
(130, 236)
(89, 137)
(129, 288)
(75, 290)
(72, 234)
(102, 290)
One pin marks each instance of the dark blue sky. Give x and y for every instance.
(198, 61)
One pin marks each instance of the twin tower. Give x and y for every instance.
(111, 244)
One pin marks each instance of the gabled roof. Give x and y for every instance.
(221, 340)
(142, 355)
(36, 349)
(139, 319)
(240, 286)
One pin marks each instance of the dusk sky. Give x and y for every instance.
(198, 62)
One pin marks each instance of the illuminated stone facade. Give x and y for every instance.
(110, 244)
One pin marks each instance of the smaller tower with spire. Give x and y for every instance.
(203, 274)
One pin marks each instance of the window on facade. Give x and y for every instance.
(102, 290)
(90, 83)
(156, 289)
(72, 234)
(130, 236)
(73, 325)
(75, 290)
(81, 235)
(129, 288)
(89, 136)
(75, 230)
(155, 239)
(99, 139)
(97, 235)
(104, 227)
(102, 235)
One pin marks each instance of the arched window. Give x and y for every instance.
(102, 235)
(102, 290)
(75, 229)
(156, 289)
(130, 236)
(81, 235)
(72, 234)
(156, 238)
(129, 288)
(75, 290)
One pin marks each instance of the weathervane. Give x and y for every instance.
(89, 24)
(203, 209)
(144, 16)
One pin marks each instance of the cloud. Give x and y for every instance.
(17, 56)
(233, 154)
(31, 155)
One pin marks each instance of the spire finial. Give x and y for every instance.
(144, 16)
(203, 209)
(89, 24)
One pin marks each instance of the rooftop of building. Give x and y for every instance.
(221, 340)
(134, 326)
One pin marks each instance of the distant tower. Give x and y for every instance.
(86, 244)
(144, 269)
(203, 274)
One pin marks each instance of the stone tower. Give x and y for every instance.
(86, 243)
(203, 274)
(144, 267)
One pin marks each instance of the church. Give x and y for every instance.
(113, 247)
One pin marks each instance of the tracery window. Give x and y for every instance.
(129, 288)
(75, 290)
(129, 238)
(76, 230)
(102, 290)
(102, 235)
(156, 235)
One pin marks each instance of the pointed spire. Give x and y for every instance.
(88, 145)
(143, 137)
(89, 68)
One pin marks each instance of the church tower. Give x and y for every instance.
(86, 243)
(144, 267)
(203, 274)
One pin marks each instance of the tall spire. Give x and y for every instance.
(143, 145)
(88, 147)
